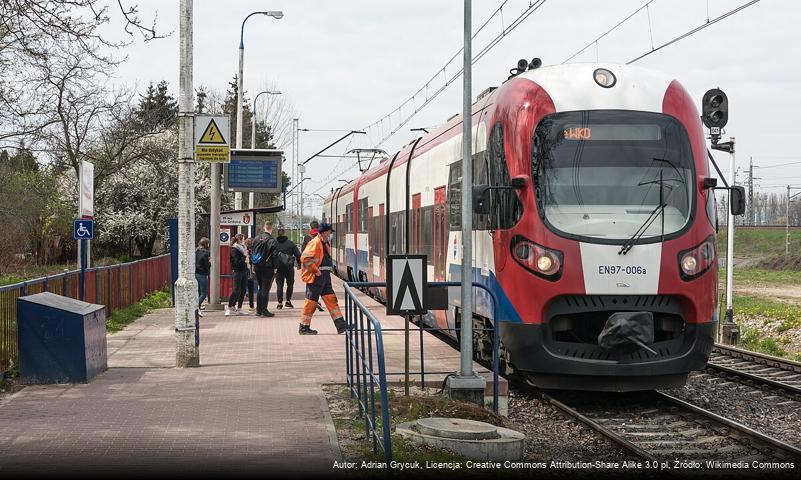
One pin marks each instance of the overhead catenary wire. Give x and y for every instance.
(411, 102)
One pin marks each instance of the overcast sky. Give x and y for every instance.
(344, 64)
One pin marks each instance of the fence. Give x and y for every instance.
(361, 364)
(115, 286)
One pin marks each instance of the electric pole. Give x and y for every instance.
(187, 353)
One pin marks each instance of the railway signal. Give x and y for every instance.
(715, 112)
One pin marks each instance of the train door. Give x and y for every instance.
(381, 247)
(440, 234)
(371, 238)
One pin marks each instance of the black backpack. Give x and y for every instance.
(285, 260)
(261, 251)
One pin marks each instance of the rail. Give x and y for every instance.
(115, 286)
(360, 365)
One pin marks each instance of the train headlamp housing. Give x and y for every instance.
(541, 261)
(695, 261)
(604, 78)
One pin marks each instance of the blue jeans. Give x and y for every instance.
(202, 287)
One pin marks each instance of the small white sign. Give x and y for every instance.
(86, 200)
(239, 219)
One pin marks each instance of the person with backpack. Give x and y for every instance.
(202, 269)
(239, 268)
(287, 258)
(261, 257)
(315, 272)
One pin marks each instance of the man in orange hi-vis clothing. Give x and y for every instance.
(316, 274)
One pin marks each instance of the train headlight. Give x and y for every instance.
(543, 262)
(604, 78)
(695, 261)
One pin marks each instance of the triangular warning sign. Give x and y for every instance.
(407, 298)
(212, 134)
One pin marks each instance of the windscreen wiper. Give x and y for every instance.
(628, 244)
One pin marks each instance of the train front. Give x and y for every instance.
(613, 271)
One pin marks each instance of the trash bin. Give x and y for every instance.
(61, 340)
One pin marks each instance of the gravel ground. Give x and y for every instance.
(763, 410)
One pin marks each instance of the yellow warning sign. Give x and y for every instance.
(211, 144)
(212, 134)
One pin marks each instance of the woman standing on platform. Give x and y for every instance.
(239, 268)
(202, 268)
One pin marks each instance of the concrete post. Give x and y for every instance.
(731, 331)
(187, 354)
(214, 237)
(467, 385)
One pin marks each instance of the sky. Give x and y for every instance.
(346, 64)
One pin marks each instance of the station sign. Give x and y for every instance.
(238, 219)
(211, 139)
(254, 171)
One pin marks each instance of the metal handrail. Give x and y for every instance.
(495, 330)
(362, 362)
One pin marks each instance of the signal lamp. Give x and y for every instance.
(715, 109)
(604, 78)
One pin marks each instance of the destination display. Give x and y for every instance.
(254, 171)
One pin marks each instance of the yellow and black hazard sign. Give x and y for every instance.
(211, 134)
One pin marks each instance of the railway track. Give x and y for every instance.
(756, 369)
(660, 428)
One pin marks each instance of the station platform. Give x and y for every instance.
(255, 405)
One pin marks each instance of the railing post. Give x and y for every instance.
(372, 383)
(363, 393)
(357, 355)
(422, 355)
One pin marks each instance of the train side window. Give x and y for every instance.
(455, 196)
(349, 218)
(503, 202)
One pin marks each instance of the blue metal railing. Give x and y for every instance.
(422, 328)
(360, 365)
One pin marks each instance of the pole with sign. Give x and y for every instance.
(406, 290)
(83, 230)
(212, 135)
(86, 203)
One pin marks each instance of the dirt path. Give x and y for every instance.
(782, 293)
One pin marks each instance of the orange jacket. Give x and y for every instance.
(312, 258)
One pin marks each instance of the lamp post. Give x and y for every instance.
(277, 15)
(252, 195)
(787, 218)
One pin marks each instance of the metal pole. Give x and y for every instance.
(187, 353)
(730, 242)
(252, 195)
(82, 285)
(467, 202)
(301, 173)
(239, 126)
(787, 225)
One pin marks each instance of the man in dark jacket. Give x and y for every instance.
(264, 267)
(313, 226)
(287, 259)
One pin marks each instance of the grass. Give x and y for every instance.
(751, 340)
(20, 273)
(788, 315)
(762, 276)
(758, 242)
(119, 319)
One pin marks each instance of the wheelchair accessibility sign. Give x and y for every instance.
(83, 229)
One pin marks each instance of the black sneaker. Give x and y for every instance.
(306, 330)
(340, 324)
(267, 313)
(320, 308)
(288, 304)
(280, 306)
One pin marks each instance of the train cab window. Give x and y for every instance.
(455, 196)
(604, 176)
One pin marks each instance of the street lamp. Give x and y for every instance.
(239, 80)
(252, 195)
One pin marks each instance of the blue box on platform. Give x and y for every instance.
(61, 340)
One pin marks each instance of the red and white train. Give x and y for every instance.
(602, 207)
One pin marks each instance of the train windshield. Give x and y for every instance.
(604, 175)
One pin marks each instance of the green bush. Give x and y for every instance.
(119, 319)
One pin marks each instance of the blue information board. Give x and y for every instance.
(254, 171)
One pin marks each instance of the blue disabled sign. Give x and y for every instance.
(224, 237)
(83, 229)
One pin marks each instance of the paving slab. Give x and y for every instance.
(253, 406)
